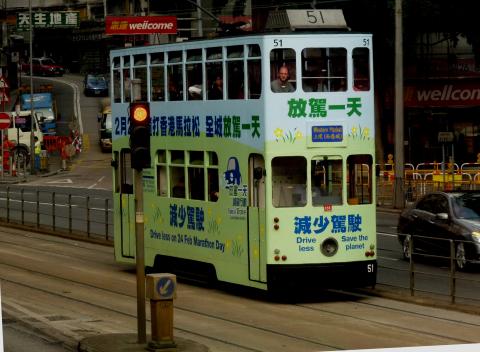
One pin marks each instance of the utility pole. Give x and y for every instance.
(200, 21)
(32, 117)
(399, 195)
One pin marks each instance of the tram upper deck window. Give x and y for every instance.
(157, 77)
(214, 71)
(282, 70)
(194, 70)
(235, 72)
(126, 78)
(254, 67)
(324, 69)
(289, 180)
(361, 69)
(175, 76)
(117, 93)
(140, 76)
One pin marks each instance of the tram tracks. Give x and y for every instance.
(224, 321)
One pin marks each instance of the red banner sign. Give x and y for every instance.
(140, 25)
(448, 93)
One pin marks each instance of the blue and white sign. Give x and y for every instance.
(166, 287)
(327, 133)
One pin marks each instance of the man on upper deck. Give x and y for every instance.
(281, 84)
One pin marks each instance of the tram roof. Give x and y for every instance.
(246, 36)
(281, 22)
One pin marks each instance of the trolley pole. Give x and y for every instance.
(140, 257)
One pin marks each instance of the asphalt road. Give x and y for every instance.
(91, 168)
(71, 290)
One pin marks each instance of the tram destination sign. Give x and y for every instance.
(327, 133)
(48, 19)
(306, 19)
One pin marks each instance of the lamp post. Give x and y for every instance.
(398, 196)
(32, 141)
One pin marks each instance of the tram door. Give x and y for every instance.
(127, 205)
(256, 218)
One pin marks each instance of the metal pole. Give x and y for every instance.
(3, 155)
(32, 143)
(452, 272)
(399, 199)
(199, 21)
(443, 166)
(140, 259)
(453, 168)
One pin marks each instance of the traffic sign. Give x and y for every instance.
(3, 83)
(4, 98)
(4, 120)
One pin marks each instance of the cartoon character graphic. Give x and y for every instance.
(232, 176)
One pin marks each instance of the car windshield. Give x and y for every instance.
(467, 206)
(48, 62)
(98, 81)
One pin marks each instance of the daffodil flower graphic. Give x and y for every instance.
(366, 132)
(288, 136)
(278, 133)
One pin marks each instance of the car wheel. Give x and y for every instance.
(460, 257)
(407, 242)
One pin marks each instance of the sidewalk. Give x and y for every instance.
(128, 343)
(55, 166)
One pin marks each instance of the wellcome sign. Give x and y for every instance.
(128, 25)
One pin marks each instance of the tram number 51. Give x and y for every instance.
(315, 17)
(370, 268)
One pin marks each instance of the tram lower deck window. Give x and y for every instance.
(188, 175)
(359, 184)
(327, 180)
(289, 181)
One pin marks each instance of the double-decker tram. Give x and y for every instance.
(262, 155)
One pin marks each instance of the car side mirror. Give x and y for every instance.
(441, 216)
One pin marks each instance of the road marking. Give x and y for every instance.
(387, 258)
(96, 183)
(65, 180)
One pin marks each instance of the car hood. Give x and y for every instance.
(472, 225)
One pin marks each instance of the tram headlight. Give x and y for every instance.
(329, 247)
